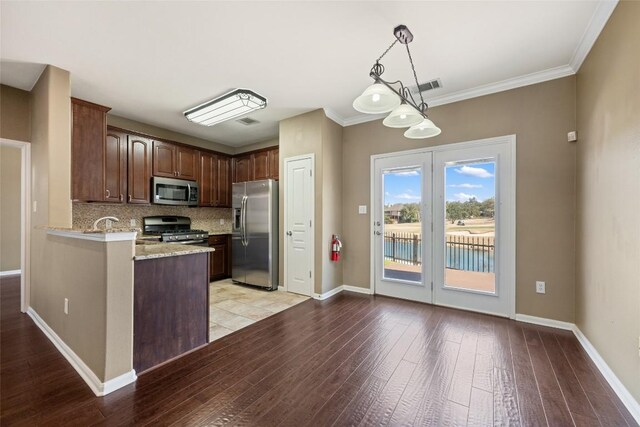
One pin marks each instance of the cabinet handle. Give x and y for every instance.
(129, 198)
(121, 197)
(108, 194)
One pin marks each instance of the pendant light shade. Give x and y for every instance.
(376, 99)
(402, 117)
(426, 129)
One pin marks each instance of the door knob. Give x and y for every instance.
(378, 233)
(289, 233)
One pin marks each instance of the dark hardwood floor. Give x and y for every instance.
(348, 360)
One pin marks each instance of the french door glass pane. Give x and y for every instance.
(470, 225)
(402, 250)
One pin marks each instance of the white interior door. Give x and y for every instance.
(299, 209)
(474, 227)
(402, 226)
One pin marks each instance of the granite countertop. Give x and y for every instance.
(92, 231)
(150, 250)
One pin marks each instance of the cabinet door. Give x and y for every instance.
(115, 166)
(87, 151)
(274, 163)
(242, 169)
(164, 159)
(223, 184)
(208, 173)
(139, 171)
(261, 165)
(218, 262)
(186, 163)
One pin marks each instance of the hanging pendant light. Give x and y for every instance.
(425, 129)
(384, 96)
(376, 99)
(403, 116)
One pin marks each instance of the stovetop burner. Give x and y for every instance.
(172, 229)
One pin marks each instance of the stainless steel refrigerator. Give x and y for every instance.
(254, 248)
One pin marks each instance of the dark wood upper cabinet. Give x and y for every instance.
(164, 159)
(274, 163)
(242, 169)
(174, 161)
(89, 130)
(186, 163)
(261, 165)
(139, 171)
(214, 180)
(115, 166)
(224, 181)
(207, 179)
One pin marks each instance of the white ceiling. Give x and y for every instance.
(150, 61)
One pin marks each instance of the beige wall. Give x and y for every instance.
(540, 116)
(258, 145)
(97, 278)
(133, 125)
(10, 176)
(332, 272)
(314, 133)
(303, 135)
(15, 114)
(608, 195)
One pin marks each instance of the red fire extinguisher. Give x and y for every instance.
(336, 247)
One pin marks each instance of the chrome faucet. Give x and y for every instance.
(108, 218)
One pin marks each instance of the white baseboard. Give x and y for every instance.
(341, 288)
(357, 289)
(545, 322)
(625, 396)
(621, 391)
(98, 387)
(10, 273)
(329, 294)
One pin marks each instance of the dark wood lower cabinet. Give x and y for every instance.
(170, 309)
(220, 260)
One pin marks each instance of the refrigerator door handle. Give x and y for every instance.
(245, 242)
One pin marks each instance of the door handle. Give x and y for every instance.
(289, 233)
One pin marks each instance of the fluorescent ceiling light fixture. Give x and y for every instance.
(234, 104)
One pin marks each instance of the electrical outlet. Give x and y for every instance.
(221, 221)
(132, 222)
(35, 206)
(540, 287)
(66, 306)
(638, 346)
(108, 224)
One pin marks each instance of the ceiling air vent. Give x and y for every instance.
(430, 85)
(247, 121)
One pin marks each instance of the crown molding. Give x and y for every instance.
(331, 114)
(601, 15)
(501, 86)
(362, 118)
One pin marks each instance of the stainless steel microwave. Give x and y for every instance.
(177, 192)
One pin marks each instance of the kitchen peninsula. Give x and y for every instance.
(113, 286)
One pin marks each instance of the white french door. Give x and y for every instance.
(402, 226)
(444, 225)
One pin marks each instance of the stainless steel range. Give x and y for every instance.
(174, 229)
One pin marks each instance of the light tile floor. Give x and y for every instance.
(233, 306)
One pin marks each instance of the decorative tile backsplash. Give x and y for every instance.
(84, 214)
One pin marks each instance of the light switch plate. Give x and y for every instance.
(132, 223)
(362, 209)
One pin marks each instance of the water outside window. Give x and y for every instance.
(470, 225)
(403, 224)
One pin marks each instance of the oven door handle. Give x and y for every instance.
(186, 242)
